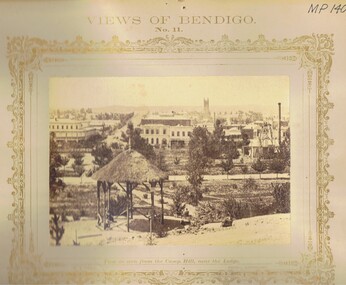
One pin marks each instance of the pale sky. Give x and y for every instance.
(168, 91)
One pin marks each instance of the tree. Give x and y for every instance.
(281, 193)
(93, 141)
(55, 161)
(227, 164)
(230, 149)
(56, 231)
(78, 164)
(244, 169)
(284, 151)
(79, 169)
(179, 198)
(232, 208)
(259, 166)
(78, 157)
(102, 154)
(197, 161)
(277, 166)
(245, 143)
(160, 161)
(64, 161)
(134, 139)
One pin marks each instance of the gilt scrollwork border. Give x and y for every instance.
(26, 57)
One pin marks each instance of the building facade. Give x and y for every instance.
(71, 130)
(172, 131)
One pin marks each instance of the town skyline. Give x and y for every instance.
(243, 93)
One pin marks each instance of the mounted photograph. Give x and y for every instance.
(198, 160)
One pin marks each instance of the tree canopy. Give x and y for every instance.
(133, 138)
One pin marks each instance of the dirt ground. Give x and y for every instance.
(269, 229)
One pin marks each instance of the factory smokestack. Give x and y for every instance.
(279, 123)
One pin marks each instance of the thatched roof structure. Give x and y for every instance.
(129, 166)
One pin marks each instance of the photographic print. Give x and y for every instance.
(169, 161)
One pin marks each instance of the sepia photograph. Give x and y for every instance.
(169, 161)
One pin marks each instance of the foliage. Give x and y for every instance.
(234, 209)
(79, 169)
(217, 140)
(208, 212)
(102, 154)
(228, 209)
(150, 239)
(78, 163)
(134, 139)
(92, 141)
(227, 164)
(285, 149)
(198, 160)
(160, 161)
(176, 160)
(56, 231)
(270, 153)
(55, 161)
(179, 197)
(281, 193)
(159, 229)
(250, 184)
(78, 158)
(277, 166)
(76, 215)
(245, 142)
(244, 169)
(259, 166)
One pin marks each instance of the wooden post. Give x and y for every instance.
(151, 225)
(131, 201)
(109, 201)
(162, 209)
(98, 202)
(151, 210)
(127, 206)
(152, 199)
(104, 186)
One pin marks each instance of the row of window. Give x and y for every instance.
(62, 127)
(157, 131)
(183, 133)
(157, 141)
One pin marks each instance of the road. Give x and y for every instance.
(88, 180)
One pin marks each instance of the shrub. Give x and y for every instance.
(281, 193)
(277, 166)
(76, 215)
(64, 214)
(250, 184)
(178, 205)
(150, 240)
(159, 229)
(56, 231)
(208, 212)
(259, 166)
(234, 209)
(227, 222)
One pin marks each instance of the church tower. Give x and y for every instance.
(206, 107)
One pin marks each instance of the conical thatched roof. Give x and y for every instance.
(129, 166)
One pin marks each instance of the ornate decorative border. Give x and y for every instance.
(26, 55)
